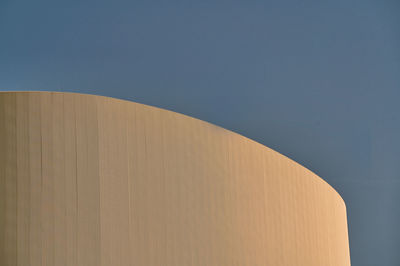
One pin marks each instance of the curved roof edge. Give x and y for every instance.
(190, 117)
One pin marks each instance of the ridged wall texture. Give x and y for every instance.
(89, 180)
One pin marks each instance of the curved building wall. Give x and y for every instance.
(90, 180)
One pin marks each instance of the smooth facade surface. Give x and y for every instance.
(90, 180)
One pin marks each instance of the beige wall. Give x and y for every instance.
(89, 180)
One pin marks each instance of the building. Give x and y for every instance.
(90, 180)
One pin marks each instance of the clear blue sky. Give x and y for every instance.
(318, 81)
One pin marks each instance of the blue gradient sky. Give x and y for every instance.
(318, 81)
